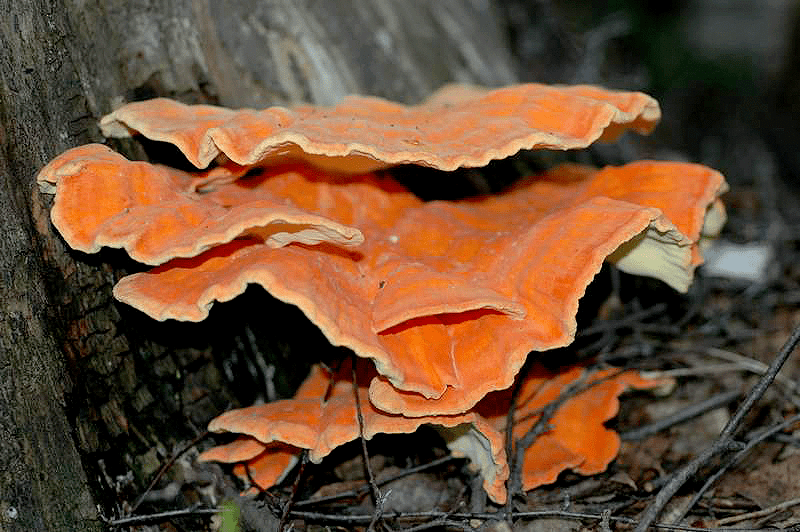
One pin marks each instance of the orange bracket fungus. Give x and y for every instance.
(456, 127)
(446, 299)
(156, 214)
(438, 287)
(319, 419)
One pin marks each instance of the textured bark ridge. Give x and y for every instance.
(90, 389)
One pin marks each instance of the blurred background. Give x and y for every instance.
(726, 72)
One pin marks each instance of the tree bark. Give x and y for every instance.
(93, 395)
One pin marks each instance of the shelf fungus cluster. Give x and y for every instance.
(441, 301)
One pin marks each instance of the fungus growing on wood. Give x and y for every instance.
(156, 214)
(436, 286)
(446, 298)
(264, 464)
(577, 437)
(458, 126)
(322, 416)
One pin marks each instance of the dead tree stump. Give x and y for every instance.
(90, 390)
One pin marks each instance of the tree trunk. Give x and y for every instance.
(93, 395)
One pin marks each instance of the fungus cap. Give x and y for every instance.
(157, 213)
(460, 125)
(324, 409)
(448, 298)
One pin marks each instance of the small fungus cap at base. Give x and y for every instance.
(578, 440)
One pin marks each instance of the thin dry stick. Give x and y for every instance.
(682, 415)
(272, 502)
(541, 426)
(287, 508)
(712, 369)
(443, 523)
(454, 520)
(477, 495)
(139, 520)
(735, 459)
(724, 440)
(735, 362)
(750, 364)
(513, 464)
(630, 321)
(760, 513)
(358, 492)
(445, 519)
(165, 467)
(377, 498)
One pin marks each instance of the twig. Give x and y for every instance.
(631, 320)
(441, 522)
(358, 492)
(722, 443)
(787, 439)
(377, 499)
(750, 364)
(760, 513)
(477, 496)
(707, 369)
(136, 520)
(287, 508)
(682, 415)
(513, 465)
(605, 521)
(542, 425)
(272, 502)
(755, 440)
(735, 362)
(446, 519)
(165, 467)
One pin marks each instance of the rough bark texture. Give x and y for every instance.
(91, 391)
